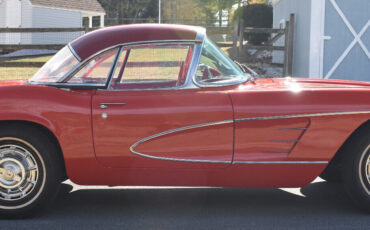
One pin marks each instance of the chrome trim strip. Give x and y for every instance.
(114, 67)
(313, 87)
(71, 85)
(280, 162)
(189, 83)
(113, 103)
(292, 129)
(106, 105)
(301, 115)
(171, 88)
(179, 159)
(215, 85)
(284, 141)
(132, 148)
(229, 162)
(74, 52)
(182, 129)
(276, 151)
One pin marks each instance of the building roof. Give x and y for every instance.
(82, 5)
(98, 40)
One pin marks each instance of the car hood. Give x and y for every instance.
(304, 83)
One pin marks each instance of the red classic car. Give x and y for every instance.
(161, 105)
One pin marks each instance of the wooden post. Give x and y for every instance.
(286, 47)
(241, 36)
(235, 39)
(291, 45)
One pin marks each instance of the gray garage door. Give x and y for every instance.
(347, 44)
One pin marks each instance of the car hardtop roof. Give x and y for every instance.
(98, 40)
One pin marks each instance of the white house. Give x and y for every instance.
(332, 37)
(46, 14)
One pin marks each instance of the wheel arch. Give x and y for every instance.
(338, 157)
(43, 129)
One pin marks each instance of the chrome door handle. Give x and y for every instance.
(105, 105)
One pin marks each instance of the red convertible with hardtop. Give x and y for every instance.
(161, 105)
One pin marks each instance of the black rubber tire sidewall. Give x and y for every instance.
(48, 152)
(351, 172)
(332, 174)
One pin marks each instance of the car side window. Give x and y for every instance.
(96, 70)
(152, 67)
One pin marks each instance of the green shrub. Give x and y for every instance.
(257, 16)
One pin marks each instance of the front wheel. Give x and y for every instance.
(356, 172)
(29, 172)
(332, 174)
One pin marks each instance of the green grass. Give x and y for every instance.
(10, 73)
(37, 59)
(15, 73)
(149, 55)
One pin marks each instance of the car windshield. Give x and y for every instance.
(56, 67)
(216, 68)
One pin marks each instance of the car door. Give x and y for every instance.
(149, 118)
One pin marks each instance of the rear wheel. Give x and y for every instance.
(356, 172)
(29, 172)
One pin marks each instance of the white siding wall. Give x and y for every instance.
(302, 11)
(11, 18)
(26, 21)
(13, 13)
(2, 20)
(54, 18)
(2, 13)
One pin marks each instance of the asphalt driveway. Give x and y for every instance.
(318, 206)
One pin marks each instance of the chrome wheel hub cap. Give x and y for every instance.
(18, 172)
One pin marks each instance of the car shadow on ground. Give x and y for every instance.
(320, 204)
